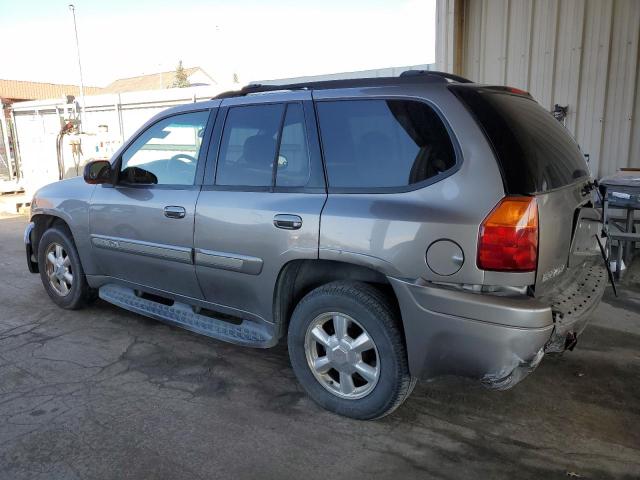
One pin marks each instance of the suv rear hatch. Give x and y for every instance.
(538, 157)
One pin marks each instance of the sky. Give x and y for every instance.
(256, 40)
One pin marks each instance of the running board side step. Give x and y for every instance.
(249, 333)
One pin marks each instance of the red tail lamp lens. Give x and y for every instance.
(517, 91)
(508, 238)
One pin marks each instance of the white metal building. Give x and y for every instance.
(37, 125)
(578, 53)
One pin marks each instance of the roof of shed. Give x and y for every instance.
(154, 81)
(25, 90)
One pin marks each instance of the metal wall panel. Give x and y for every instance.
(621, 84)
(543, 40)
(445, 11)
(569, 57)
(634, 155)
(519, 38)
(472, 50)
(593, 80)
(494, 46)
(580, 53)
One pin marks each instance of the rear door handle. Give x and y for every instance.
(174, 212)
(287, 222)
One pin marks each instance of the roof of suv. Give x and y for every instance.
(407, 77)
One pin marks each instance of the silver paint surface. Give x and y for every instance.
(236, 252)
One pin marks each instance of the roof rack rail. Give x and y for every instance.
(448, 76)
(253, 88)
(406, 76)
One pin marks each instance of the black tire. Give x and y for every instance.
(375, 313)
(80, 294)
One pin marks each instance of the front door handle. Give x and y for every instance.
(174, 212)
(287, 222)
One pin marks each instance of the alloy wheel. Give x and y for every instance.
(342, 355)
(58, 269)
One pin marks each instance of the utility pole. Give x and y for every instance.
(75, 28)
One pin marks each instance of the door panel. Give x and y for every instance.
(239, 251)
(133, 240)
(142, 228)
(265, 209)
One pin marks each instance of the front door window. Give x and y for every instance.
(167, 152)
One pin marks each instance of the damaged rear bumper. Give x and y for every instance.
(495, 339)
(498, 339)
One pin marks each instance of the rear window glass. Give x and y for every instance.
(382, 143)
(535, 152)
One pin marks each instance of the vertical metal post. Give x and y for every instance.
(75, 28)
(629, 244)
(16, 145)
(4, 128)
(120, 123)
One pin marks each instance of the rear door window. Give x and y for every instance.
(252, 135)
(535, 152)
(249, 144)
(370, 144)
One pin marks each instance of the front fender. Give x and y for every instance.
(67, 200)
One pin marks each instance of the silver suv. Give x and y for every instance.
(389, 229)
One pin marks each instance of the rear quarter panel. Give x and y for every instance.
(391, 232)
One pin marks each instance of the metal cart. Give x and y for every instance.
(621, 192)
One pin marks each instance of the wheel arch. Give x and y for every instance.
(299, 277)
(44, 221)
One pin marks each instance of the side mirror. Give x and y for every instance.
(137, 175)
(97, 171)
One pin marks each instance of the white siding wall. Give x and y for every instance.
(38, 124)
(581, 53)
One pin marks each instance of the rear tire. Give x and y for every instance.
(348, 352)
(61, 271)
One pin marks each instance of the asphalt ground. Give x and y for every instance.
(102, 393)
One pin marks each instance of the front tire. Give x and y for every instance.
(61, 271)
(347, 350)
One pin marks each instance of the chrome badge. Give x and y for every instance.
(554, 272)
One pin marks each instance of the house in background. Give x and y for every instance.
(157, 81)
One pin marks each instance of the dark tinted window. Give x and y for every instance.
(382, 143)
(535, 152)
(293, 157)
(249, 143)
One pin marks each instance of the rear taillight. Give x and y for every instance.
(508, 238)
(517, 91)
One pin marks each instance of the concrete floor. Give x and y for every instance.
(103, 393)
